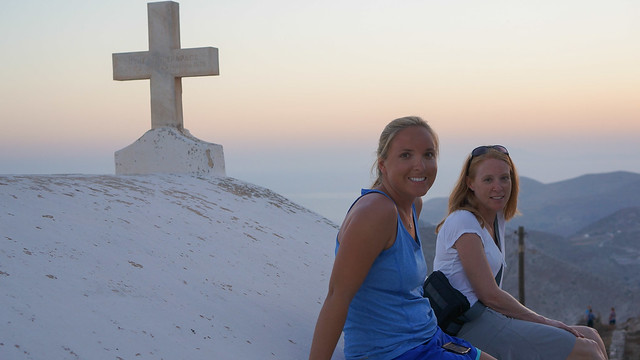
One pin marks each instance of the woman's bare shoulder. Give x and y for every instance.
(373, 214)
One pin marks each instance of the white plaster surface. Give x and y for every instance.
(170, 150)
(158, 267)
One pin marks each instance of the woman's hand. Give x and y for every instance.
(561, 325)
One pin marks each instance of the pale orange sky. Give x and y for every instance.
(305, 89)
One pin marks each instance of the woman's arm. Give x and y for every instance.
(369, 228)
(476, 267)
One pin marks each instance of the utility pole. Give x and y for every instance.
(521, 264)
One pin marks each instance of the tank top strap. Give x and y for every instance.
(369, 191)
(364, 192)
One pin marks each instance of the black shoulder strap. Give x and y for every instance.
(497, 235)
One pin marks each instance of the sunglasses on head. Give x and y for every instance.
(481, 150)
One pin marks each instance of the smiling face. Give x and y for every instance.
(410, 167)
(491, 186)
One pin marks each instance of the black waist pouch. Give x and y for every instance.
(446, 301)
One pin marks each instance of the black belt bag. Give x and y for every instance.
(451, 307)
(447, 302)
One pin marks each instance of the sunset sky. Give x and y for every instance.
(305, 87)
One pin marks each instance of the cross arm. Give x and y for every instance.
(178, 63)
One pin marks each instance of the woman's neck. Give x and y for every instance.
(489, 217)
(404, 206)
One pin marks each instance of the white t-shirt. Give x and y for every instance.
(447, 260)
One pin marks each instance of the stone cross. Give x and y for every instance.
(165, 64)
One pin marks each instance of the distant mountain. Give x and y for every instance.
(563, 207)
(434, 210)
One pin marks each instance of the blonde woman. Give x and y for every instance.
(375, 290)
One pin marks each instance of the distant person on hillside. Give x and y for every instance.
(375, 291)
(612, 317)
(590, 318)
(586, 313)
(470, 252)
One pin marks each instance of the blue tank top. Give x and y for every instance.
(388, 315)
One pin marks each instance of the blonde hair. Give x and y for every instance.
(389, 133)
(462, 198)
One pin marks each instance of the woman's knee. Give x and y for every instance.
(589, 333)
(586, 348)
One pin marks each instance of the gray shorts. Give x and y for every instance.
(507, 338)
